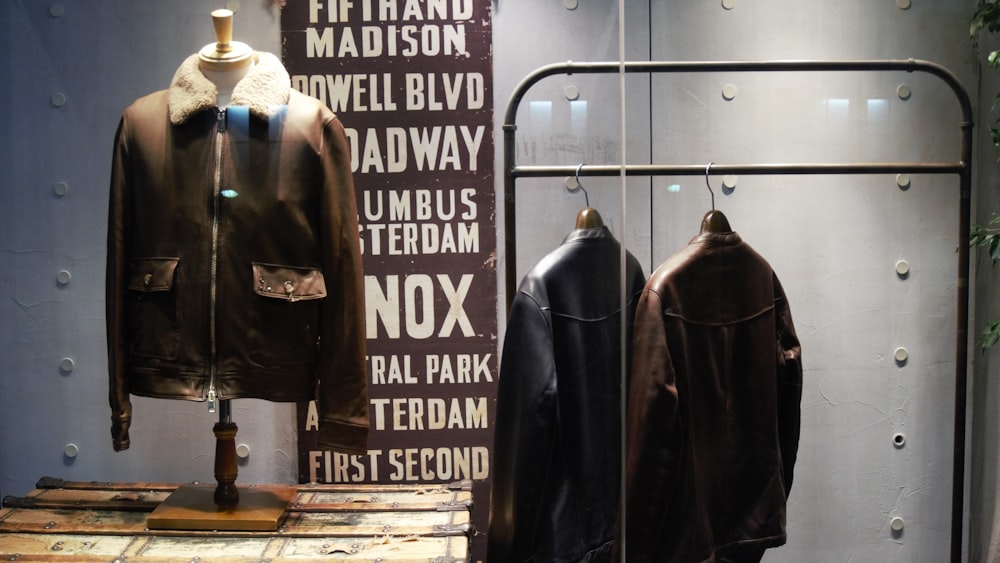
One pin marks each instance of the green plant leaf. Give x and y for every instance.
(990, 334)
(994, 247)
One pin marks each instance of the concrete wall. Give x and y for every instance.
(68, 68)
(984, 481)
(833, 240)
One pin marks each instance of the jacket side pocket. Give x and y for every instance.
(284, 317)
(153, 315)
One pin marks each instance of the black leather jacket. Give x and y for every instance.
(233, 264)
(557, 461)
(713, 412)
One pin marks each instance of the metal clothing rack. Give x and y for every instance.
(962, 168)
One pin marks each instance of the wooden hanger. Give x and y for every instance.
(714, 221)
(588, 217)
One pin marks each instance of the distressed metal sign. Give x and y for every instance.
(411, 81)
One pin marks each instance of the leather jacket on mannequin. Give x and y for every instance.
(557, 451)
(713, 411)
(233, 266)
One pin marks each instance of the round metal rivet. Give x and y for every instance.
(896, 524)
(57, 10)
(571, 92)
(729, 91)
(571, 4)
(572, 184)
(58, 99)
(901, 355)
(242, 451)
(61, 188)
(67, 365)
(899, 439)
(71, 450)
(903, 4)
(64, 277)
(903, 181)
(902, 267)
(728, 4)
(903, 91)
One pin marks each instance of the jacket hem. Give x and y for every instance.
(342, 436)
(297, 385)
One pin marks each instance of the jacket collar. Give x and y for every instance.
(717, 239)
(589, 233)
(265, 86)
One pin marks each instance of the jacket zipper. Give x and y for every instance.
(220, 138)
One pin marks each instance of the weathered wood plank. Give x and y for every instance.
(57, 483)
(307, 500)
(87, 522)
(298, 523)
(154, 549)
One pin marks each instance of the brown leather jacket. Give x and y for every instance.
(713, 413)
(233, 265)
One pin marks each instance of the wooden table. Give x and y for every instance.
(107, 522)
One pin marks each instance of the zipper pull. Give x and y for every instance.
(221, 119)
(211, 400)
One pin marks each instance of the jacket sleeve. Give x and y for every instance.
(652, 444)
(118, 345)
(524, 432)
(789, 393)
(343, 391)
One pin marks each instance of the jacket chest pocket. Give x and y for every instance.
(285, 314)
(153, 315)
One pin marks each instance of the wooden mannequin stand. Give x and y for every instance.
(226, 491)
(225, 506)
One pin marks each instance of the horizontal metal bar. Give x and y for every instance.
(656, 67)
(738, 169)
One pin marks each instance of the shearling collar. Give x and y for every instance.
(265, 86)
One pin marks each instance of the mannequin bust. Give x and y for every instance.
(224, 62)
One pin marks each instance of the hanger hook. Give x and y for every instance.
(586, 196)
(708, 170)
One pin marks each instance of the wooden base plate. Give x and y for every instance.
(192, 507)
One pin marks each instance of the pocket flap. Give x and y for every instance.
(288, 282)
(152, 274)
